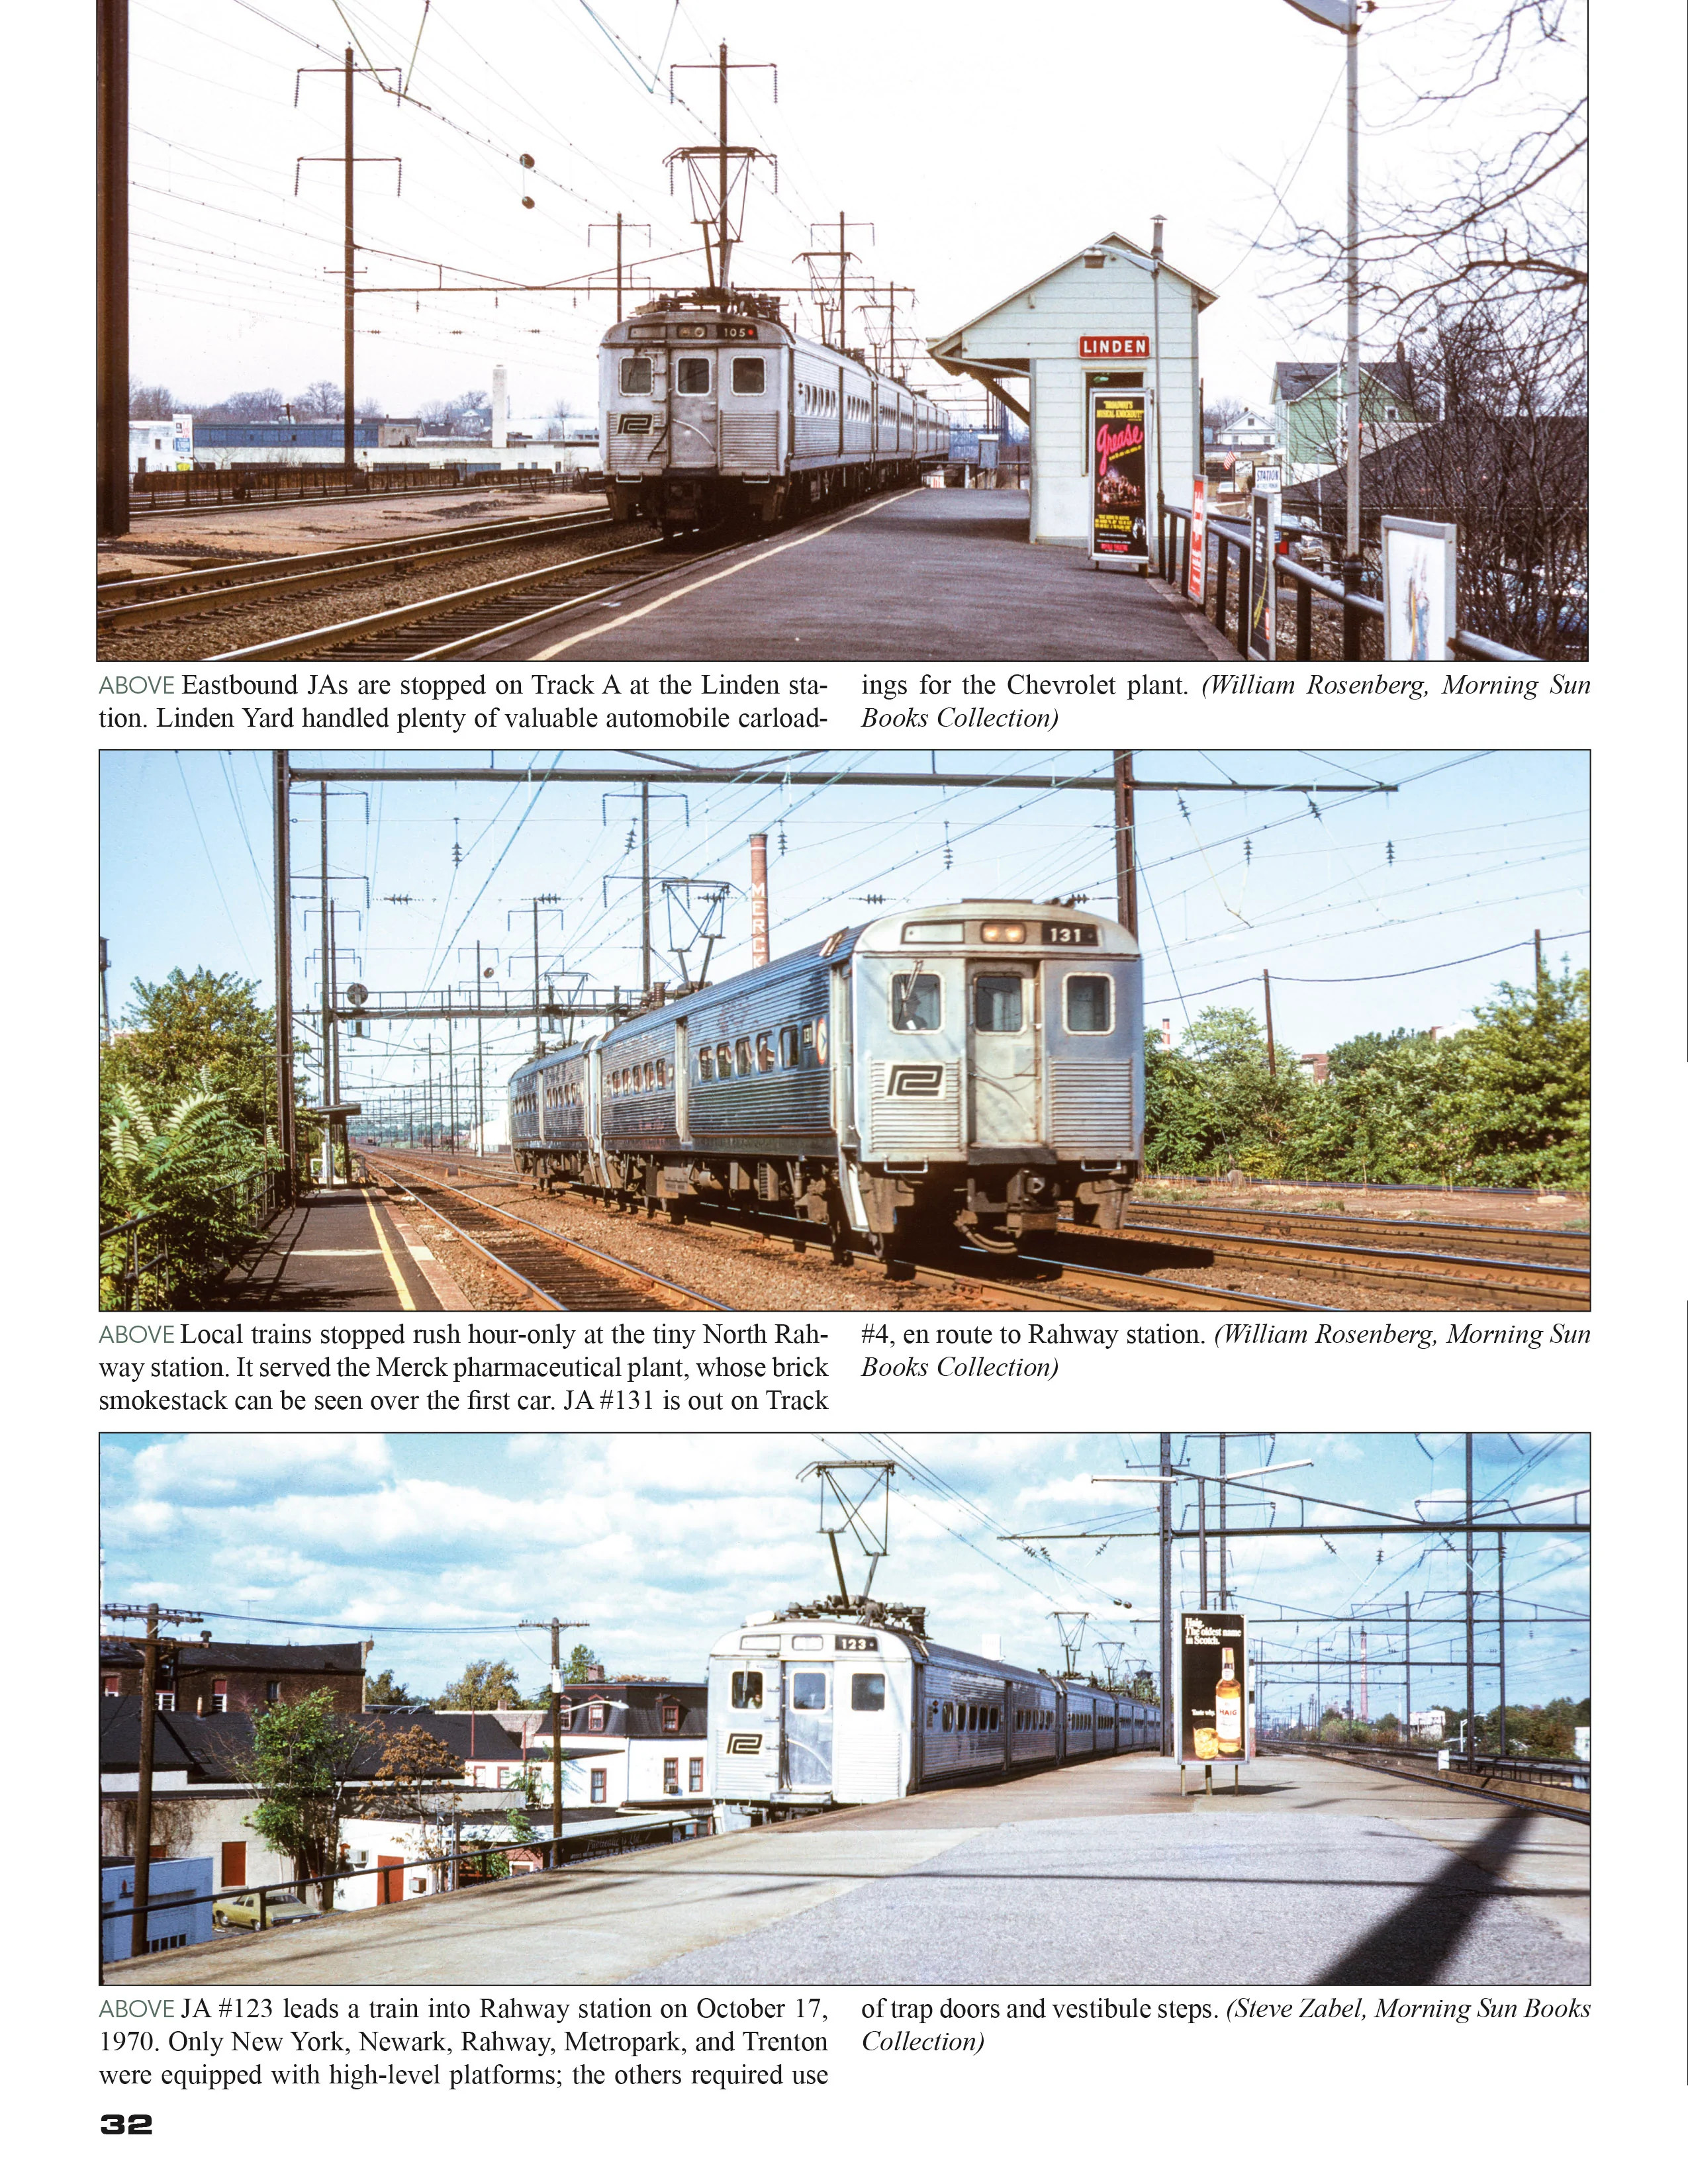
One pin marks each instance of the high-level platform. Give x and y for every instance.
(918, 576)
(339, 1249)
(1316, 1874)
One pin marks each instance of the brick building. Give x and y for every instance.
(205, 1676)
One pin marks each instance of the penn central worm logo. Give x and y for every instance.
(740, 1745)
(917, 1080)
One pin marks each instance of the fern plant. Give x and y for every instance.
(190, 1175)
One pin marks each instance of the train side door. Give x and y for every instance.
(1003, 1075)
(806, 1746)
(693, 410)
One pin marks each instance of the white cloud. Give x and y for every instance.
(212, 1468)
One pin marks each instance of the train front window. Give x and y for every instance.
(997, 1004)
(746, 1688)
(749, 375)
(809, 1690)
(1089, 1004)
(867, 1695)
(916, 1001)
(635, 374)
(691, 374)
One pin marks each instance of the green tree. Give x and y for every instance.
(384, 1691)
(482, 1686)
(579, 1666)
(195, 1022)
(1530, 1076)
(1211, 1102)
(1396, 1110)
(303, 1759)
(191, 1175)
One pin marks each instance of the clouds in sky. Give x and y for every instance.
(660, 1542)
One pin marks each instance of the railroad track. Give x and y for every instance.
(547, 1266)
(130, 601)
(976, 1270)
(1493, 1240)
(1445, 1276)
(456, 622)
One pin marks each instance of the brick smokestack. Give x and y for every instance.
(759, 900)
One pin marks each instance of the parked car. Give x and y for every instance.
(244, 1911)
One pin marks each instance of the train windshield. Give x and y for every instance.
(746, 1687)
(916, 1002)
(749, 375)
(1089, 1004)
(635, 374)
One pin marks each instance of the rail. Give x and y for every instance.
(575, 1850)
(1357, 607)
(247, 482)
(1548, 1774)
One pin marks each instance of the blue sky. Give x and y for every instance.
(1472, 853)
(236, 251)
(662, 1542)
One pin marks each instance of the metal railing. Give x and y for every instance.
(253, 1206)
(1549, 1774)
(238, 481)
(1225, 540)
(573, 1850)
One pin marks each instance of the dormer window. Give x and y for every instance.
(671, 1718)
(597, 1717)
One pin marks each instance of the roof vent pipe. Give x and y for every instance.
(1159, 248)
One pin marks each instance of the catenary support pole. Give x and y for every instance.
(1125, 840)
(348, 428)
(1271, 1044)
(645, 891)
(144, 1784)
(286, 1144)
(112, 273)
(327, 1171)
(1501, 1746)
(1470, 1616)
(1167, 1746)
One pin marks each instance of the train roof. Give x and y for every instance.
(837, 947)
(920, 1649)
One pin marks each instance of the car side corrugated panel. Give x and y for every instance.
(1091, 1108)
(749, 440)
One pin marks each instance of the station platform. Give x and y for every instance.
(918, 576)
(1316, 1875)
(339, 1249)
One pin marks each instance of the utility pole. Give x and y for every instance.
(722, 152)
(556, 1626)
(1271, 1045)
(150, 1646)
(327, 1169)
(1470, 1615)
(1365, 1681)
(349, 72)
(1501, 1628)
(843, 256)
(1125, 840)
(1406, 1717)
(1222, 1521)
(1168, 1725)
(480, 1061)
(1351, 1672)
(111, 513)
(645, 831)
(592, 229)
(286, 1125)
(105, 999)
(1538, 966)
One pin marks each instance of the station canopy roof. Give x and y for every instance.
(974, 358)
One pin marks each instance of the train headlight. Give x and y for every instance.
(994, 935)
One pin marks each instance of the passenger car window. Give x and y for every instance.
(867, 1695)
(788, 1048)
(741, 1057)
(1089, 1004)
(809, 1690)
(746, 1687)
(749, 375)
(706, 1064)
(948, 1721)
(765, 1051)
(997, 1003)
(635, 374)
(691, 376)
(723, 1059)
(916, 1001)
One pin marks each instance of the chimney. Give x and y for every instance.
(1159, 249)
(500, 406)
(1165, 1031)
(759, 900)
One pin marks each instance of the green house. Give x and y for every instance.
(1307, 402)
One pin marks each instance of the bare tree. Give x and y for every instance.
(151, 402)
(320, 401)
(258, 405)
(1224, 409)
(1507, 227)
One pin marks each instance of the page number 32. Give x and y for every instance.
(130, 2126)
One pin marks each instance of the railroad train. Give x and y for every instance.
(978, 1067)
(710, 410)
(812, 1708)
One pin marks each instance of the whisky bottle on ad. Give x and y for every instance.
(1227, 1709)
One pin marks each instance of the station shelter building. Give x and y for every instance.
(1113, 315)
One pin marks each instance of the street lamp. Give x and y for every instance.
(1344, 16)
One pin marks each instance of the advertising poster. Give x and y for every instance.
(1198, 540)
(1119, 487)
(1215, 1718)
(1421, 583)
(1263, 575)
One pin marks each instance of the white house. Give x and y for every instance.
(1115, 317)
